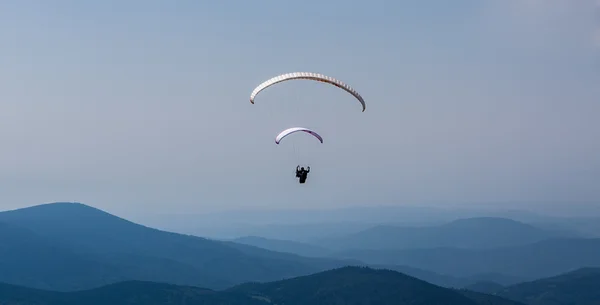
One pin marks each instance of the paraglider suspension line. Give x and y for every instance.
(296, 153)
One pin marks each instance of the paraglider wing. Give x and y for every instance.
(289, 131)
(309, 76)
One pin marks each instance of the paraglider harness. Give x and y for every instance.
(302, 173)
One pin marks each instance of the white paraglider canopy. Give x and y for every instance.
(289, 131)
(308, 76)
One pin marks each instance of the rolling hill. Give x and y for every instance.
(432, 277)
(30, 260)
(476, 233)
(488, 299)
(83, 247)
(484, 287)
(348, 285)
(581, 287)
(280, 245)
(428, 276)
(422, 274)
(27, 259)
(358, 285)
(495, 277)
(533, 261)
(129, 292)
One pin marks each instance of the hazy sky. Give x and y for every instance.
(142, 106)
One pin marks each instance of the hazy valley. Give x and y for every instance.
(82, 251)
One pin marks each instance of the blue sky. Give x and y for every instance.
(142, 106)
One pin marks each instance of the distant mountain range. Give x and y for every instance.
(475, 233)
(481, 232)
(307, 225)
(528, 262)
(461, 252)
(68, 246)
(580, 287)
(348, 285)
(288, 246)
(484, 287)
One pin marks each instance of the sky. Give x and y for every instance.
(139, 107)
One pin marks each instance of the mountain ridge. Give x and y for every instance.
(470, 233)
(120, 249)
(528, 262)
(345, 285)
(282, 245)
(581, 287)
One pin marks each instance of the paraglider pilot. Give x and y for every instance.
(302, 173)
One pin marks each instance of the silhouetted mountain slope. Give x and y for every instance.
(484, 232)
(425, 275)
(315, 264)
(541, 259)
(28, 259)
(31, 260)
(130, 293)
(354, 285)
(485, 287)
(123, 250)
(349, 285)
(580, 287)
(494, 277)
(280, 245)
(96, 231)
(428, 276)
(18, 295)
(487, 299)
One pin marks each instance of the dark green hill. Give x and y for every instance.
(580, 287)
